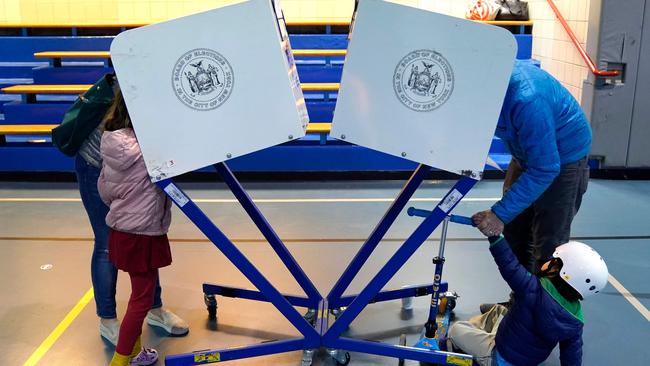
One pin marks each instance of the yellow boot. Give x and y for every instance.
(120, 360)
(123, 360)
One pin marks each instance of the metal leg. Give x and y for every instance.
(268, 232)
(210, 356)
(221, 241)
(409, 353)
(378, 233)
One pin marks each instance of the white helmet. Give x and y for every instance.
(582, 267)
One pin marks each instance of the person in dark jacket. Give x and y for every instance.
(546, 311)
(549, 138)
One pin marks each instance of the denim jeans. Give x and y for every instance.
(546, 224)
(103, 273)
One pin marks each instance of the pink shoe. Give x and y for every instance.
(146, 357)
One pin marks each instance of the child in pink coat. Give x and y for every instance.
(139, 217)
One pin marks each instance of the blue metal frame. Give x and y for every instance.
(411, 291)
(378, 233)
(419, 236)
(320, 334)
(269, 234)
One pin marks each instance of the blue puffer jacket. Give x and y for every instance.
(539, 319)
(544, 127)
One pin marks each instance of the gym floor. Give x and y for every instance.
(46, 245)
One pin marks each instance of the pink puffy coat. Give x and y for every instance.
(136, 205)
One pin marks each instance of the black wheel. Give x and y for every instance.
(310, 317)
(347, 360)
(212, 312)
(451, 303)
(402, 342)
(211, 304)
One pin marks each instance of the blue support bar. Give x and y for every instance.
(322, 316)
(211, 356)
(221, 241)
(378, 233)
(400, 257)
(265, 228)
(227, 291)
(413, 291)
(462, 220)
(404, 352)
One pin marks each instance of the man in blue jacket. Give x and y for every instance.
(546, 310)
(549, 138)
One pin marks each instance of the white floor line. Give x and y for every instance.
(260, 200)
(630, 298)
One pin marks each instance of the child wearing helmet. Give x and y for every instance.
(546, 311)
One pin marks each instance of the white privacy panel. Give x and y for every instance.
(210, 86)
(423, 86)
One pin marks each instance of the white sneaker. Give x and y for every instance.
(169, 321)
(146, 357)
(109, 329)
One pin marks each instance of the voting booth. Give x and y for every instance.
(423, 86)
(416, 84)
(200, 91)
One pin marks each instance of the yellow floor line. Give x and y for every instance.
(630, 298)
(60, 328)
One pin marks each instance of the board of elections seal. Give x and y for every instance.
(423, 80)
(203, 79)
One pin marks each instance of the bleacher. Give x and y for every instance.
(43, 70)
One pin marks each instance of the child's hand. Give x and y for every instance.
(488, 223)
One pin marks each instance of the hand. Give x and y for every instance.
(488, 223)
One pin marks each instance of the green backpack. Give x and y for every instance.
(84, 116)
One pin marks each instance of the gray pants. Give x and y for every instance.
(477, 336)
(539, 229)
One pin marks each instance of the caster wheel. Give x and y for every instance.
(346, 360)
(212, 312)
(451, 302)
(402, 342)
(310, 317)
(407, 303)
(337, 312)
(307, 357)
(211, 304)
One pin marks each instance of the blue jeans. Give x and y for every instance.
(103, 273)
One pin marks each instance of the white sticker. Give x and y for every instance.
(450, 201)
(176, 195)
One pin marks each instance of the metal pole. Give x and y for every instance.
(431, 325)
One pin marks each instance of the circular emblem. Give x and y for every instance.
(423, 80)
(202, 79)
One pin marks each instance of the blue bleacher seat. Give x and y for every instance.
(307, 154)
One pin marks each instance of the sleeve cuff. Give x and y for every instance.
(494, 240)
(498, 210)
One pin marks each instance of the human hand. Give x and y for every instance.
(488, 223)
